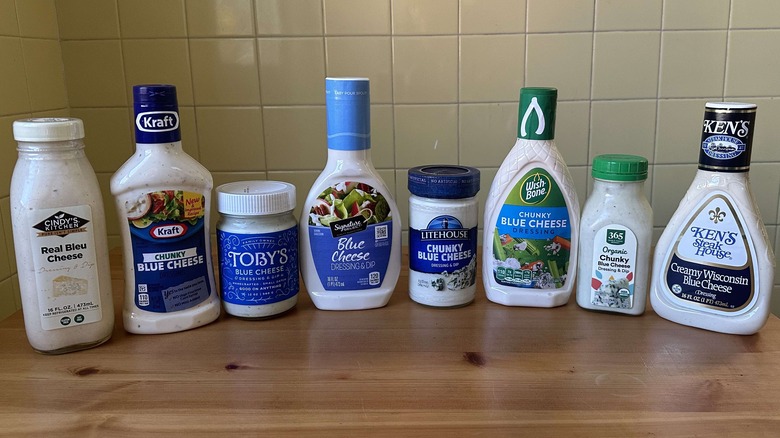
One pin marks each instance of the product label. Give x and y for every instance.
(257, 269)
(351, 235)
(65, 263)
(614, 267)
(169, 250)
(711, 264)
(532, 235)
(726, 138)
(446, 250)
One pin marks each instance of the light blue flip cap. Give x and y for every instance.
(349, 113)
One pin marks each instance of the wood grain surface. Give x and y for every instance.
(403, 370)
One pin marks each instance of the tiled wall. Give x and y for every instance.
(633, 77)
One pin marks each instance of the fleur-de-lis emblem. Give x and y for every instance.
(717, 215)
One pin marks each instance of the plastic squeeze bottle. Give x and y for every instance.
(532, 214)
(714, 267)
(350, 230)
(162, 199)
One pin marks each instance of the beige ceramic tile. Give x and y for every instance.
(426, 134)
(560, 15)
(678, 135)
(152, 18)
(562, 61)
(492, 16)
(292, 71)
(401, 179)
(696, 14)
(388, 177)
(108, 139)
(765, 181)
(425, 17)
(7, 152)
(373, 17)
(5, 263)
(295, 138)
(382, 145)
(231, 139)
(765, 137)
(88, 19)
(219, 18)
(623, 127)
(750, 71)
(580, 176)
(625, 65)
(158, 61)
(486, 177)
(289, 17)
(752, 14)
(425, 69)
(572, 126)
(302, 180)
(13, 81)
(9, 25)
(487, 133)
(5, 212)
(37, 18)
(497, 57)
(94, 74)
(628, 14)
(45, 77)
(62, 112)
(363, 57)
(189, 132)
(7, 300)
(224, 72)
(692, 63)
(670, 182)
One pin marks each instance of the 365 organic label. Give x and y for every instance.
(532, 234)
(614, 267)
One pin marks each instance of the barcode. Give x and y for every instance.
(380, 232)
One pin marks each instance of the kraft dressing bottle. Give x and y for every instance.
(350, 231)
(713, 265)
(529, 255)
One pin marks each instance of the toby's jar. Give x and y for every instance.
(257, 237)
(60, 238)
(443, 217)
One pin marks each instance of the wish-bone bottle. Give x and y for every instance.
(714, 266)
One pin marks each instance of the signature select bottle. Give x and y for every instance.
(713, 266)
(350, 230)
(162, 198)
(529, 255)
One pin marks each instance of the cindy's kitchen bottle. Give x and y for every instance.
(162, 199)
(714, 266)
(350, 230)
(532, 214)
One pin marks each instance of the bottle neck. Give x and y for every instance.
(345, 158)
(154, 147)
(51, 149)
(624, 188)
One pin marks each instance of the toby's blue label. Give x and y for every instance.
(727, 136)
(156, 114)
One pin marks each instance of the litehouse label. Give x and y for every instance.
(711, 265)
(531, 237)
(65, 262)
(169, 250)
(350, 230)
(446, 250)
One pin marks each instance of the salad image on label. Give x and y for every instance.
(174, 205)
(348, 200)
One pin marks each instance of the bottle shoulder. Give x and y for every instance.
(161, 168)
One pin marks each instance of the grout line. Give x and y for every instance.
(457, 84)
(192, 85)
(728, 44)
(657, 98)
(260, 87)
(392, 81)
(589, 158)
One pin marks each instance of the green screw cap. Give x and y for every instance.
(620, 167)
(536, 118)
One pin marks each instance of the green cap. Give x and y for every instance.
(536, 118)
(620, 167)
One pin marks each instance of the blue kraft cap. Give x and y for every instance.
(156, 113)
(443, 181)
(349, 113)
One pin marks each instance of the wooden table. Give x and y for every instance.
(403, 370)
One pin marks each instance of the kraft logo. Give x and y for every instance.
(168, 231)
(157, 121)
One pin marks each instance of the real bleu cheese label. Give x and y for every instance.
(710, 267)
(65, 264)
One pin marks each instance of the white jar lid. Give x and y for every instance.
(252, 198)
(48, 129)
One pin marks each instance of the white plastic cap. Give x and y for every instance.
(253, 198)
(48, 129)
(730, 105)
